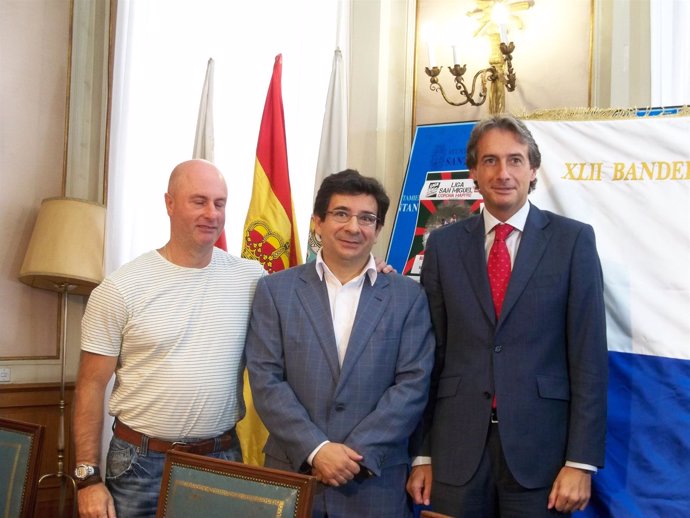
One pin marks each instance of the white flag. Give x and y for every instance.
(333, 148)
(203, 142)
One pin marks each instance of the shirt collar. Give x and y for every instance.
(369, 268)
(516, 221)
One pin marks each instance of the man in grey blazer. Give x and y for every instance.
(340, 358)
(516, 419)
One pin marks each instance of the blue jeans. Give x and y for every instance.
(134, 476)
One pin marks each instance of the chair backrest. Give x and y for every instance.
(20, 455)
(194, 485)
(431, 514)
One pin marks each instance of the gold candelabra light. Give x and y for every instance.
(492, 82)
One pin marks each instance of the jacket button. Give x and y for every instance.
(339, 407)
(498, 348)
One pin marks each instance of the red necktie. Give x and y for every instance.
(498, 266)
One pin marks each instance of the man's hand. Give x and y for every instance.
(335, 464)
(571, 490)
(382, 267)
(95, 502)
(419, 484)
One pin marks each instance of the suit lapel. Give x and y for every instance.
(535, 237)
(373, 301)
(313, 295)
(474, 258)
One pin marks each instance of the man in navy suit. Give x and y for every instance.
(515, 424)
(340, 358)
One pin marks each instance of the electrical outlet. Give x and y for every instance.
(5, 374)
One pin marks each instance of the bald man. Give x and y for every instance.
(171, 326)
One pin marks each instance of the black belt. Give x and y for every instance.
(203, 447)
(494, 416)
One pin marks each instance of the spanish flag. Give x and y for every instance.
(270, 235)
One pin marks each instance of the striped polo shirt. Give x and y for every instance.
(179, 334)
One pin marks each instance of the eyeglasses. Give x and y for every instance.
(365, 219)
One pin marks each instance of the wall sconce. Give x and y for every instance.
(494, 17)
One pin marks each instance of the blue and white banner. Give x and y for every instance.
(630, 179)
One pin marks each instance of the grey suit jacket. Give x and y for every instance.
(545, 359)
(372, 404)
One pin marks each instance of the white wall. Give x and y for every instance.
(34, 42)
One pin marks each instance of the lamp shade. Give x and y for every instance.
(66, 246)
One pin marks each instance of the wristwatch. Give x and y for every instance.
(87, 475)
(84, 471)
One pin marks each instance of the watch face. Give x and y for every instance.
(82, 471)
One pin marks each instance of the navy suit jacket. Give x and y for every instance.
(372, 404)
(545, 359)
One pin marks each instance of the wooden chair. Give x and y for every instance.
(431, 514)
(20, 454)
(194, 485)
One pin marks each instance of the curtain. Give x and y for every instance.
(670, 52)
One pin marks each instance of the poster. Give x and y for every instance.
(445, 198)
(437, 155)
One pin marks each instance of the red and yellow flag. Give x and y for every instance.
(270, 235)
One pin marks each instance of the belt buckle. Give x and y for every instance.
(180, 446)
(494, 416)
